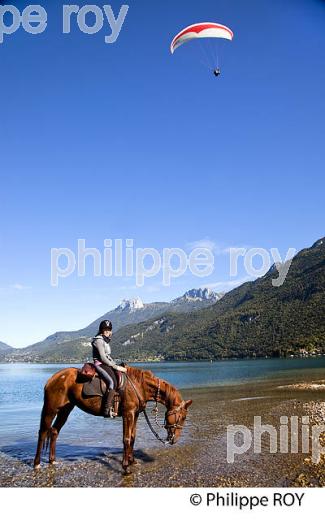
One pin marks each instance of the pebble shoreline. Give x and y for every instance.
(201, 459)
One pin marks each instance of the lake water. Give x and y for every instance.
(21, 397)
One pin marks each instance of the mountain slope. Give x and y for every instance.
(255, 319)
(4, 347)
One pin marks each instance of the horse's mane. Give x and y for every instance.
(171, 392)
(140, 375)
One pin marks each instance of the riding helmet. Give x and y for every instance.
(105, 325)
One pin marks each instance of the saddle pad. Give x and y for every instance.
(94, 387)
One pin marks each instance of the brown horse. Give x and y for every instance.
(63, 392)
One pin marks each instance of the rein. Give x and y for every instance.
(155, 410)
(165, 443)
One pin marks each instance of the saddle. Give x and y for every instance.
(96, 386)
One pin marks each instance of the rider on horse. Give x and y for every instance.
(103, 360)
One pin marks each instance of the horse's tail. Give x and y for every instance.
(45, 425)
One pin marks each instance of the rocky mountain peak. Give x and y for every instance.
(318, 243)
(201, 294)
(131, 305)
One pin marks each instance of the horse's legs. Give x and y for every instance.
(59, 422)
(128, 422)
(46, 421)
(133, 434)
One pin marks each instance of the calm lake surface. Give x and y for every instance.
(21, 397)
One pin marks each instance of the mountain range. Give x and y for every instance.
(72, 344)
(256, 319)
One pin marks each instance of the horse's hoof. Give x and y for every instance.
(53, 462)
(127, 471)
(37, 466)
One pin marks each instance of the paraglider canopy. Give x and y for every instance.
(201, 30)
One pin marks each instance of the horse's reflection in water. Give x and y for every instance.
(63, 392)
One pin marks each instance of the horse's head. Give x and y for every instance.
(174, 420)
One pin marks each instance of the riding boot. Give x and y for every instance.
(107, 403)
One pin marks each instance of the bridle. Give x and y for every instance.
(174, 411)
(171, 428)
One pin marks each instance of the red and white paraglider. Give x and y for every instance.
(202, 30)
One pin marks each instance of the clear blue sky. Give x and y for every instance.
(126, 141)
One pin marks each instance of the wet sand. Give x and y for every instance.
(200, 458)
